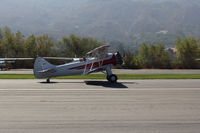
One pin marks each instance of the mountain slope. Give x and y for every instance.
(107, 20)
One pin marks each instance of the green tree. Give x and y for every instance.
(75, 46)
(8, 41)
(188, 51)
(2, 47)
(30, 44)
(1, 34)
(19, 45)
(130, 60)
(43, 46)
(153, 56)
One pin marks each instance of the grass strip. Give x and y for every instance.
(103, 76)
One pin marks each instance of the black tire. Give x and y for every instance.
(48, 81)
(112, 78)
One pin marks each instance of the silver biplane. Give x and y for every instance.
(97, 60)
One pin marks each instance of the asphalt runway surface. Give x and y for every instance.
(96, 106)
(121, 71)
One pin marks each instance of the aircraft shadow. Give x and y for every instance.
(97, 83)
(52, 82)
(106, 84)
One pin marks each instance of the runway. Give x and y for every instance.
(121, 71)
(92, 106)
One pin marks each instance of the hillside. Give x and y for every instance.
(135, 21)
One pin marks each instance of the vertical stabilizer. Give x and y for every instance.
(42, 68)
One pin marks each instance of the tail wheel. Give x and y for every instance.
(48, 81)
(112, 78)
(107, 77)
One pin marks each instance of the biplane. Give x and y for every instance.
(97, 60)
(4, 62)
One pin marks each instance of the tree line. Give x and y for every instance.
(16, 45)
(147, 56)
(185, 55)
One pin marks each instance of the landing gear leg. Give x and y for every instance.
(110, 76)
(48, 80)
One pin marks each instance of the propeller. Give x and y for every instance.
(119, 58)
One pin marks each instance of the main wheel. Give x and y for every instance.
(112, 78)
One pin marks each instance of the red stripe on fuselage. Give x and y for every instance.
(97, 64)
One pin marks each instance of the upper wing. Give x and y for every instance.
(49, 70)
(99, 51)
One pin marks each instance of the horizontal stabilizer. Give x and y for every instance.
(50, 70)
